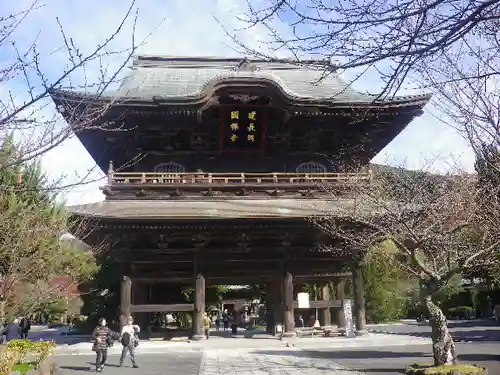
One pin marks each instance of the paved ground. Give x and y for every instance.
(392, 360)
(285, 361)
(378, 354)
(467, 331)
(175, 363)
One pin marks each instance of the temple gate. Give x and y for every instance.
(214, 166)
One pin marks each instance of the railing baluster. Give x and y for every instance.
(238, 178)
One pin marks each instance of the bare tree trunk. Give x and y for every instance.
(2, 311)
(443, 347)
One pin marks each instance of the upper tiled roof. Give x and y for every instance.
(174, 77)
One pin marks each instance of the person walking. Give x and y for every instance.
(130, 340)
(12, 331)
(225, 320)
(208, 325)
(217, 322)
(25, 327)
(103, 338)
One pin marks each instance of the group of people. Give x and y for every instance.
(224, 318)
(16, 329)
(103, 337)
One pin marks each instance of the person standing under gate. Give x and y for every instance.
(225, 320)
(208, 325)
(217, 321)
(130, 341)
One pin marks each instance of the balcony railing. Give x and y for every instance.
(148, 178)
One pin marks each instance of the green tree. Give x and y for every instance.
(31, 225)
(386, 288)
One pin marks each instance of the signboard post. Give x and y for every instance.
(349, 324)
(303, 301)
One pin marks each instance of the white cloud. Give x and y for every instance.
(189, 29)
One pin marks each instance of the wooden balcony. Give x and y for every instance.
(199, 185)
(195, 178)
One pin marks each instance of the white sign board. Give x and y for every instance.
(303, 301)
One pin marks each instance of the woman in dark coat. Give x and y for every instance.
(12, 331)
(103, 338)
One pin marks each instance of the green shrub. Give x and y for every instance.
(16, 351)
(461, 312)
(80, 323)
(23, 347)
(8, 359)
(24, 368)
(464, 369)
(43, 350)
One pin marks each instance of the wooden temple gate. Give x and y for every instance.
(216, 186)
(274, 252)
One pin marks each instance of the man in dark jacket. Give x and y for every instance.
(12, 331)
(25, 327)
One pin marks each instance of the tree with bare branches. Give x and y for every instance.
(26, 110)
(436, 225)
(450, 47)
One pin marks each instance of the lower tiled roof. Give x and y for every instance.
(218, 209)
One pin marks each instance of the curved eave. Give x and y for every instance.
(218, 209)
(64, 96)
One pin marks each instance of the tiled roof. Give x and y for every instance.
(217, 209)
(169, 78)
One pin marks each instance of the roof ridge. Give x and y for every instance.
(214, 61)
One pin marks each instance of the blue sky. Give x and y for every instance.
(185, 28)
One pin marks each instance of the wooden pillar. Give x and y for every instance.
(125, 299)
(140, 296)
(277, 302)
(269, 309)
(288, 316)
(359, 300)
(339, 296)
(199, 308)
(325, 317)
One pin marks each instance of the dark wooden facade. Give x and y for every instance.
(214, 166)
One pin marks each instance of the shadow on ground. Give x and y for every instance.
(76, 368)
(475, 335)
(393, 361)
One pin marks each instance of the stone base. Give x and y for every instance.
(198, 337)
(289, 334)
(361, 332)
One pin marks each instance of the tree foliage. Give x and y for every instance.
(31, 225)
(387, 288)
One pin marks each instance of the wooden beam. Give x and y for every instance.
(269, 248)
(176, 307)
(263, 275)
(241, 279)
(321, 304)
(155, 260)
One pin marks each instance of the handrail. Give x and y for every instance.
(232, 178)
